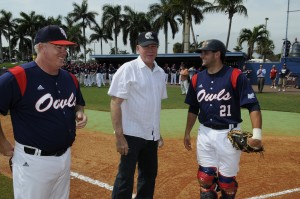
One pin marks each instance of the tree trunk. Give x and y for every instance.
(193, 35)
(228, 33)
(32, 47)
(9, 47)
(186, 39)
(1, 52)
(84, 45)
(166, 38)
(101, 47)
(116, 43)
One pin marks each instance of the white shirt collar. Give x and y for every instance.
(142, 64)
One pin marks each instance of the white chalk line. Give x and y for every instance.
(109, 187)
(94, 182)
(91, 181)
(275, 194)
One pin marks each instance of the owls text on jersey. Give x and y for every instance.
(220, 96)
(43, 109)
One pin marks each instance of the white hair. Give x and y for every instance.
(36, 48)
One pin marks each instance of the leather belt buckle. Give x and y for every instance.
(29, 151)
(32, 151)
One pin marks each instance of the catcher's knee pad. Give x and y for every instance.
(207, 180)
(228, 186)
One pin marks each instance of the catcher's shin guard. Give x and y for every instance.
(207, 180)
(228, 186)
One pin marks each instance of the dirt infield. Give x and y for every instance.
(94, 156)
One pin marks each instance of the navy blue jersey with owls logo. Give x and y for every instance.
(43, 116)
(219, 96)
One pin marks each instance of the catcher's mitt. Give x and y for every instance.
(239, 140)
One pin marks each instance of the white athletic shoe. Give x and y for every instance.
(275, 87)
(283, 90)
(279, 90)
(271, 86)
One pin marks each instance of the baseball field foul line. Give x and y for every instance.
(91, 181)
(108, 187)
(94, 182)
(275, 194)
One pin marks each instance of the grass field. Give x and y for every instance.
(6, 187)
(97, 99)
(280, 114)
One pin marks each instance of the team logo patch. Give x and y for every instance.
(204, 44)
(40, 88)
(148, 35)
(63, 32)
(251, 96)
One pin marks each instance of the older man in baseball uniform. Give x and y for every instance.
(46, 107)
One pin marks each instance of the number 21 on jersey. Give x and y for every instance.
(225, 110)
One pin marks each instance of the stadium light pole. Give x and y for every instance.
(266, 22)
(264, 46)
(286, 30)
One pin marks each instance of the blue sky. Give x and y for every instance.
(213, 26)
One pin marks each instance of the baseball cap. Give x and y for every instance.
(212, 45)
(52, 34)
(147, 38)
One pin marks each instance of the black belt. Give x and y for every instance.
(32, 151)
(221, 126)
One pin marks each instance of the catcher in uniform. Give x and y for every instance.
(215, 95)
(46, 107)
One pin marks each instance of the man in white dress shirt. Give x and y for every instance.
(137, 90)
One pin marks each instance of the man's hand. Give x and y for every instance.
(6, 148)
(254, 143)
(121, 144)
(81, 119)
(187, 142)
(161, 142)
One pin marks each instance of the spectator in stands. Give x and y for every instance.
(192, 71)
(246, 72)
(173, 74)
(273, 76)
(184, 79)
(261, 72)
(283, 75)
(167, 71)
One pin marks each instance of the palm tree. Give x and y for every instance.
(177, 48)
(32, 24)
(19, 37)
(229, 7)
(163, 16)
(74, 32)
(2, 32)
(100, 35)
(133, 24)
(258, 34)
(189, 9)
(113, 19)
(265, 47)
(238, 48)
(8, 22)
(82, 13)
(54, 21)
